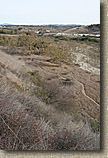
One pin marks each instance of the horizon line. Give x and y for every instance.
(49, 24)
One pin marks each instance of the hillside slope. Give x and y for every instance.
(47, 106)
(92, 29)
(85, 92)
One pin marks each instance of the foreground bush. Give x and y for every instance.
(23, 127)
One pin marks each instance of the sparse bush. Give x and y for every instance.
(8, 31)
(23, 44)
(57, 54)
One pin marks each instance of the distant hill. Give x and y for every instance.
(95, 28)
(6, 24)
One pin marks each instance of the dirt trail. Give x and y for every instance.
(73, 29)
(83, 91)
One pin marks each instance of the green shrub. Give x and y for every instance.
(87, 39)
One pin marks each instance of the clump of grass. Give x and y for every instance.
(95, 126)
(39, 85)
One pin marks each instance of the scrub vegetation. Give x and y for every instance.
(49, 88)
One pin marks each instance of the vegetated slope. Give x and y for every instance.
(28, 124)
(47, 106)
(82, 90)
(85, 93)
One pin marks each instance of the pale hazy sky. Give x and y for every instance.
(50, 11)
